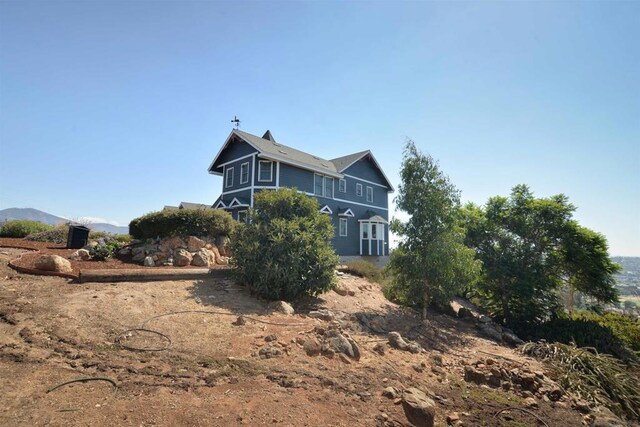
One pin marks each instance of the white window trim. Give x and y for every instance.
(369, 191)
(324, 186)
(260, 162)
(241, 166)
(340, 182)
(315, 175)
(346, 224)
(359, 187)
(228, 172)
(239, 212)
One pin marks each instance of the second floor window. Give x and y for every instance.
(265, 171)
(244, 173)
(342, 186)
(323, 186)
(359, 190)
(369, 194)
(228, 177)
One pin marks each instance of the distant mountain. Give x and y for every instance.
(47, 218)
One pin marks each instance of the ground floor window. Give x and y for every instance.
(242, 216)
(343, 227)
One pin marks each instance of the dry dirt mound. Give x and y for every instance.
(330, 364)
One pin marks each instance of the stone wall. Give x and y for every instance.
(179, 252)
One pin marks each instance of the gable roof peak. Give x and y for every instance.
(267, 135)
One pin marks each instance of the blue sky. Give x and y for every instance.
(114, 109)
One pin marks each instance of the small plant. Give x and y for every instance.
(125, 239)
(95, 235)
(104, 250)
(22, 228)
(364, 269)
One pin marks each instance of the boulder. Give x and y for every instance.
(149, 262)
(312, 347)
(322, 314)
(341, 344)
(222, 242)
(489, 331)
(203, 258)
(282, 307)
(53, 263)
(181, 258)
(465, 313)
(510, 338)
(82, 254)
(172, 243)
(340, 290)
(194, 244)
(418, 408)
(396, 341)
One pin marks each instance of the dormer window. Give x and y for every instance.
(265, 171)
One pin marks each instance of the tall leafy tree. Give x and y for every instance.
(531, 248)
(431, 261)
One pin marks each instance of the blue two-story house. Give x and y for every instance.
(353, 189)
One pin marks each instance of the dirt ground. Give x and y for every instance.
(208, 372)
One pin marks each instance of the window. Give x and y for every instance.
(317, 185)
(374, 229)
(244, 173)
(359, 190)
(228, 178)
(242, 216)
(342, 186)
(328, 187)
(343, 226)
(323, 186)
(365, 230)
(369, 194)
(265, 171)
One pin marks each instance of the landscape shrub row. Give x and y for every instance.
(22, 228)
(182, 222)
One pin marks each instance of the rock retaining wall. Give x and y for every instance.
(179, 252)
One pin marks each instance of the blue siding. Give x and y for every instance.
(236, 174)
(366, 169)
(234, 150)
(246, 195)
(291, 176)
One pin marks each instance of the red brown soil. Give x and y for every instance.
(52, 331)
(28, 259)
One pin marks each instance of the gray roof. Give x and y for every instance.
(169, 208)
(272, 148)
(341, 163)
(188, 205)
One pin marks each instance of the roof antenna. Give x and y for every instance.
(236, 120)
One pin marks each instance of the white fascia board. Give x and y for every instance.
(226, 143)
(298, 164)
(368, 152)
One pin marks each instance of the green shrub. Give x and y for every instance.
(592, 330)
(22, 228)
(95, 235)
(285, 251)
(364, 269)
(105, 250)
(182, 222)
(123, 238)
(56, 235)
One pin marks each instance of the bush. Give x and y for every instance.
(104, 250)
(285, 252)
(606, 333)
(182, 222)
(23, 228)
(95, 235)
(123, 238)
(364, 269)
(57, 235)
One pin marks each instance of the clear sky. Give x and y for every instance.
(113, 109)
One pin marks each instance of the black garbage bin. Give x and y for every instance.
(78, 236)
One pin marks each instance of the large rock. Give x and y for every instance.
(396, 341)
(182, 258)
(82, 254)
(53, 263)
(341, 344)
(204, 258)
(149, 262)
(282, 307)
(489, 330)
(222, 242)
(418, 408)
(193, 243)
(172, 243)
